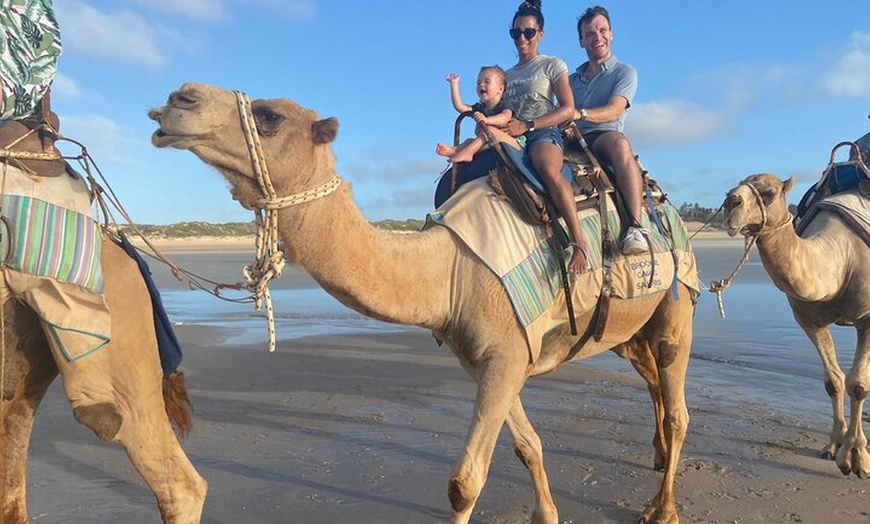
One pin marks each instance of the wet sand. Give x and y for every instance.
(365, 429)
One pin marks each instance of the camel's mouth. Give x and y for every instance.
(160, 138)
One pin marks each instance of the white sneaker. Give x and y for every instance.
(634, 242)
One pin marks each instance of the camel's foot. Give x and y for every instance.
(829, 452)
(658, 513)
(854, 459)
(545, 516)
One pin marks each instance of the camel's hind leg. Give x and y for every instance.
(853, 457)
(638, 352)
(835, 381)
(29, 370)
(117, 392)
(527, 446)
(669, 334)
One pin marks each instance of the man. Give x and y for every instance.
(603, 89)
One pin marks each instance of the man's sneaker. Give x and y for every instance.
(634, 242)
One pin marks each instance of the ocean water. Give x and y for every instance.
(756, 354)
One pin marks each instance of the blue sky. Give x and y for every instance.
(726, 89)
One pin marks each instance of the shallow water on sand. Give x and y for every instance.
(756, 355)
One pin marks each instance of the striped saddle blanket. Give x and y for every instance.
(51, 247)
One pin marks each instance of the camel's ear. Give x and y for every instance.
(787, 185)
(324, 131)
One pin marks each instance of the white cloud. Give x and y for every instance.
(207, 10)
(673, 122)
(122, 35)
(108, 142)
(850, 75)
(65, 86)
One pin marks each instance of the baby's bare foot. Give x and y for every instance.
(444, 150)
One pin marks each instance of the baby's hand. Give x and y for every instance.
(452, 77)
(479, 117)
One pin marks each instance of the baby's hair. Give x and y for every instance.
(589, 14)
(498, 71)
(530, 8)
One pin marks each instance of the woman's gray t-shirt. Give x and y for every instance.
(529, 91)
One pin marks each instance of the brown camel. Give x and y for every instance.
(825, 273)
(118, 391)
(431, 279)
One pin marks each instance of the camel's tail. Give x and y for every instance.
(178, 406)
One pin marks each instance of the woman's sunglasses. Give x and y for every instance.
(528, 32)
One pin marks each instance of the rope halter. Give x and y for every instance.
(749, 238)
(269, 260)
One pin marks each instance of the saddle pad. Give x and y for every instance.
(851, 206)
(526, 260)
(52, 248)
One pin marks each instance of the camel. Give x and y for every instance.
(825, 274)
(118, 391)
(431, 279)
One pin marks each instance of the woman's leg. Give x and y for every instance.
(547, 160)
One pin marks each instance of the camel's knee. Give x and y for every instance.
(831, 388)
(856, 386)
(463, 490)
(528, 453)
(103, 419)
(677, 424)
(667, 353)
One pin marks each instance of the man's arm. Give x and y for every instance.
(606, 113)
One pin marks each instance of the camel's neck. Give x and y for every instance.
(400, 278)
(801, 268)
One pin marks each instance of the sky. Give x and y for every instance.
(726, 89)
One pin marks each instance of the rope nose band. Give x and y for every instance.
(269, 260)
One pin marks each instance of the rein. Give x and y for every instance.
(749, 237)
(269, 259)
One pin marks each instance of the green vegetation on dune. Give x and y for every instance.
(688, 212)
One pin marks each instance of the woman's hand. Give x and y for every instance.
(515, 127)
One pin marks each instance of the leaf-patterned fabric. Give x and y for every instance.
(29, 49)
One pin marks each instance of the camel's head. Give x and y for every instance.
(206, 120)
(757, 202)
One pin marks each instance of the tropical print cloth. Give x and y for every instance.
(29, 49)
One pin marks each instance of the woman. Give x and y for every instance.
(532, 84)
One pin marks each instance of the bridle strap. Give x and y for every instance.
(269, 259)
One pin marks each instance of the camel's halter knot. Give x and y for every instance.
(269, 260)
(749, 238)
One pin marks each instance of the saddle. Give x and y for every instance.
(593, 186)
(28, 143)
(838, 177)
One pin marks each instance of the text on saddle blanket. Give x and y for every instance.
(526, 260)
(52, 247)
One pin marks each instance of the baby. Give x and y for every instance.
(488, 111)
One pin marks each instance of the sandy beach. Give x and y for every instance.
(365, 429)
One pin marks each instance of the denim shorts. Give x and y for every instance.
(547, 134)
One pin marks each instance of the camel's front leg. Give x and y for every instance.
(835, 383)
(527, 446)
(853, 457)
(500, 378)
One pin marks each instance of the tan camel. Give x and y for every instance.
(826, 276)
(117, 391)
(431, 279)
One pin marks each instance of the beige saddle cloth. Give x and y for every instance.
(51, 247)
(526, 261)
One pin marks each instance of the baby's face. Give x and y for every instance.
(490, 87)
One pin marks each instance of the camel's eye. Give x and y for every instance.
(268, 121)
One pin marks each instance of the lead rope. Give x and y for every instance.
(268, 259)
